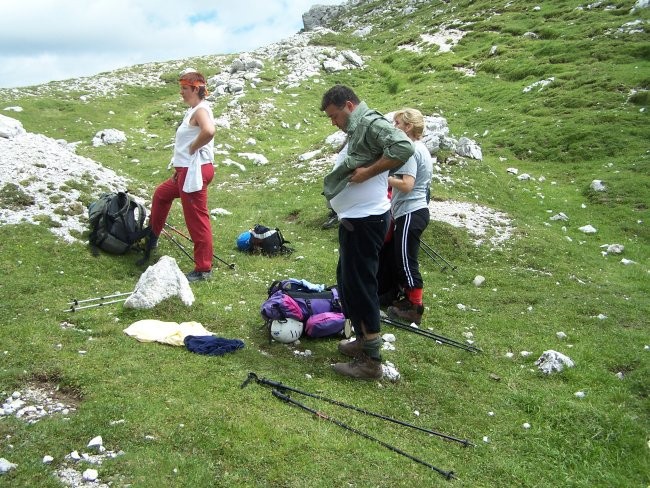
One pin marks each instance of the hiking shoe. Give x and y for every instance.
(151, 243)
(363, 368)
(198, 276)
(412, 314)
(351, 348)
(331, 221)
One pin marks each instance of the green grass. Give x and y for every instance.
(187, 422)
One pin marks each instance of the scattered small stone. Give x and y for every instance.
(495, 377)
(47, 459)
(95, 442)
(525, 354)
(460, 306)
(627, 261)
(6, 466)
(613, 248)
(620, 375)
(490, 414)
(601, 316)
(579, 394)
(486, 439)
(588, 229)
(388, 338)
(90, 475)
(512, 171)
(552, 361)
(598, 185)
(478, 280)
(390, 372)
(561, 335)
(416, 413)
(561, 216)
(526, 425)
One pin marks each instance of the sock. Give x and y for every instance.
(372, 348)
(415, 296)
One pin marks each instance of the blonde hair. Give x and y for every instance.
(414, 117)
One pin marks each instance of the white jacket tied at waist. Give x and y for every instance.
(186, 134)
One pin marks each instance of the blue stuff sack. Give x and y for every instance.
(324, 324)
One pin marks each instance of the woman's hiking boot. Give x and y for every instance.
(150, 245)
(408, 312)
(198, 276)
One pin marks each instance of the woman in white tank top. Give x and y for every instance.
(194, 146)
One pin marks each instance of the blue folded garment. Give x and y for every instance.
(214, 346)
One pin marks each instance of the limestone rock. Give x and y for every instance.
(160, 281)
(552, 361)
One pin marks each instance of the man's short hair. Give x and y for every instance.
(337, 96)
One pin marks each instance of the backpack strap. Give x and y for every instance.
(264, 235)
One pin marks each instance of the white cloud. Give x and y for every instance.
(45, 40)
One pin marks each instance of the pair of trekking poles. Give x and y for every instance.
(182, 248)
(281, 391)
(427, 333)
(436, 257)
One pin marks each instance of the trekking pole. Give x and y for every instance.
(95, 305)
(180, 246)
(230, 265)
(447, 474)
(427, 333)
(283, 387)
(435, 260)
(74, 301)
(433, 251)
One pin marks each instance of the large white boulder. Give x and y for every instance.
(159, 282)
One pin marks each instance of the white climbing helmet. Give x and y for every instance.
(286, 330)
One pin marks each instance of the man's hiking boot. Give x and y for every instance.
(351, 348)
(362, 367)
(198, 276)
(403, 303)
(411, 313)
(331, 221)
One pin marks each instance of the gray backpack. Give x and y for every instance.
(116, 223)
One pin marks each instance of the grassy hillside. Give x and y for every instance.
(183, 419)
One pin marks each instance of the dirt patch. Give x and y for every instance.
(38, 399)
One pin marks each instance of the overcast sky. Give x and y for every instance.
(46, 40)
